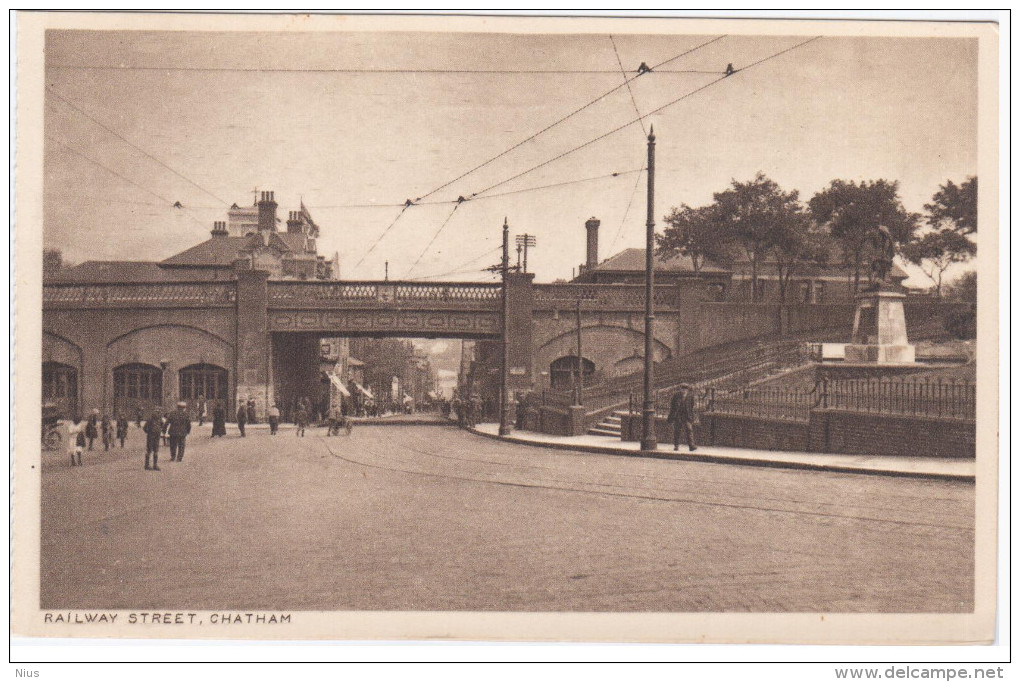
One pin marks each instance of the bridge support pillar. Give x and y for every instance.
(254, 379)
(520, 301)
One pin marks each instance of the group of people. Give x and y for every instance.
(80, 437)
(176, 425)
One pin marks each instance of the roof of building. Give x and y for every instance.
(104, 272)
(216, 252)
(630, 260)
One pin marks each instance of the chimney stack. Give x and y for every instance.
(267, 212)
(219, 228)
(294, 222)
(592, 225)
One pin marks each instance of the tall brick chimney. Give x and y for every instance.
(219, 228)
(294, 222)
(592, 225)
(267, 212)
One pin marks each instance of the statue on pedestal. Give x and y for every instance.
(885, 245)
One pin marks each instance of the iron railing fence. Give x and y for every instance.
(930, 397)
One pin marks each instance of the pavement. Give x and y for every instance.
(917, 467)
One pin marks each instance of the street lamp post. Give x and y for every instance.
(648, 436)
(504, 429)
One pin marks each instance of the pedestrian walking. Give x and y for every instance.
(92, 428)
(153, 430)
(274, 419)
(106, 428)
(201, 412)
(301, 419)
(219, 420)
(75, 440)
(178, 426)
(242, 417)
(122, 428)
(138, 417)
(251, 411)
(682, 416)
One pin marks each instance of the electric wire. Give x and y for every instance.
(122, 177)
(626, 212)
(255, 69)
(131, 144)
(626, 82)
(432, 241)
(380, 237)
(564, 118)
(650, 113)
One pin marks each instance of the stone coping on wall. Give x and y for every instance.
(917, 467)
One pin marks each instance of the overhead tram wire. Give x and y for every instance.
(478, 194)
(432, 241)
(251, 69)
(459, 269)
(168, 202)
(626, 82)
(568, 116)
(626, 212)
(133, 145)
(418, 201)
(380, 237)
(487, 196)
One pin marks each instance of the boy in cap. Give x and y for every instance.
(682, 417)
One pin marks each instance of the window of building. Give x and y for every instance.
(203, 382)
(59, 381)
(805, 292)
(563, 371)
(137, 380)
(819, 292)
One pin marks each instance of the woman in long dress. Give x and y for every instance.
(219, 423)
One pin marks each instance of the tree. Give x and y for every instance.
(963, 288)
(936, 251)
(852, 213)
(755, 215)
(799, 245)
(53, 262)
(695, 233)
(955, 207)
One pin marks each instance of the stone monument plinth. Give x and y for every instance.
(880, 330)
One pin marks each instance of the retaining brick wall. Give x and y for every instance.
(846, 432)
(828, 431)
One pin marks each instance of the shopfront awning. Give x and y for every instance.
(367, 393)
(339, 385)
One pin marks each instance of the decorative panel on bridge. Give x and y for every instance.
(390, 308)
(605, 297)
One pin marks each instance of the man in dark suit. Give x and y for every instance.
(153, 430)
(682, 417)
(178, 428)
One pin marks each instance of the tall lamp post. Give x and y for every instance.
(648, 436)
(504, 266)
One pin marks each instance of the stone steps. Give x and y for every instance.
(611, 425)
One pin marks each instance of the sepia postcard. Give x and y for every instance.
(505, 328)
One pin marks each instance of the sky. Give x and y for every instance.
(205, 118)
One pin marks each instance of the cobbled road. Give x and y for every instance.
(433, 518)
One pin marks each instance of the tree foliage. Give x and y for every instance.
(954, 207)
(756, 215)
(695, 233)
(935, 251)
(852, 212)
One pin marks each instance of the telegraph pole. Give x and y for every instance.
(648, 435)
(580, 366)
(504, 429)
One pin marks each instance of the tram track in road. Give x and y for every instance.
(399, 466)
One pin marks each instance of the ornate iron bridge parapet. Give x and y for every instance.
(139, 295)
